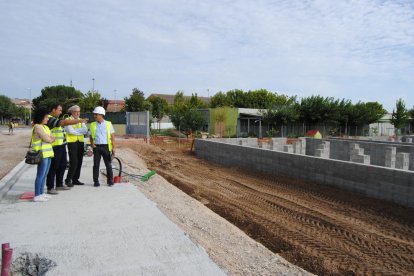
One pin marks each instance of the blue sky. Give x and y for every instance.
(353, 49)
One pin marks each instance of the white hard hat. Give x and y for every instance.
(99, 110)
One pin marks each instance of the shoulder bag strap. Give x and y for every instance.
(31, 138)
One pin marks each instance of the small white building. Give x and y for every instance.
(383, 127)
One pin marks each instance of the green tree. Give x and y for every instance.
(260, 99)
(399, 115)
(411, 113)
(219, 100)
(179, 98)
(186, 119)
(159, 108)
(282, 114)
(136, 102)
(313, 109)
(184, 114)
(64, 95)
(195, 102)
(6, 108)
(237, 98)
(89, 101)
(362, 114)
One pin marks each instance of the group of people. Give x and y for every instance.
(52, 136)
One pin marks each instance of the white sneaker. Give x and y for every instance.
(40, 198)
(46, 196)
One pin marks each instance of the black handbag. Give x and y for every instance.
(33, 157)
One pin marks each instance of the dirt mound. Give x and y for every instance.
(324, 230)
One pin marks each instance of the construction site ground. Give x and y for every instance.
(118, 230)
(322, 229)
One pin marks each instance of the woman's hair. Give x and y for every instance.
(39, 116)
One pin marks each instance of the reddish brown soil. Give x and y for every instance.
(322, 229)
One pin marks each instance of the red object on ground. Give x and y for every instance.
(27, 195)
(117, 179)
(6, 259)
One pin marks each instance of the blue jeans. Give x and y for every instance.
(42, 170)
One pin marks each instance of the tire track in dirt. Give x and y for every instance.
(322, 229)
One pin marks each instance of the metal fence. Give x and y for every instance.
(138, 124)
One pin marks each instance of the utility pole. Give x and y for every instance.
(93, 84)
(30, 104)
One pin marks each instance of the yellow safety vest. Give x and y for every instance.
(108, 132)
(72, 138)
(59, 135)
(45, 147)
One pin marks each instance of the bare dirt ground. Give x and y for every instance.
(13, 148)
(322, 229)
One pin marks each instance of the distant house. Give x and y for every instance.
(169, 98)
(115, 105)
(27, 105)
(23, 103)
(313, 133)
(383, 127)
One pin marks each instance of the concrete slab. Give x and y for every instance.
(98, 231)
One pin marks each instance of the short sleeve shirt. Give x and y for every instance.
(53, 122)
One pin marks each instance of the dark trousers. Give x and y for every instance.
(98, 152)
(76, 150)
(57, 167)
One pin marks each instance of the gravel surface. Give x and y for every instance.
(226, 244)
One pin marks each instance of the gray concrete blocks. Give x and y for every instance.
(395, 185)
(390, 155)
(357, 155)
(300, 146)
(402, 160)
(278, 143)
(323, 150)
(288, 148)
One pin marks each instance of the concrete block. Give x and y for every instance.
(288, 148)
(402, 161)
(363, 159)
(390, 155)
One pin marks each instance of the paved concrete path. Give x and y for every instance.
(97, 231)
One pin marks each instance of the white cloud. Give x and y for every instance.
(304, 46)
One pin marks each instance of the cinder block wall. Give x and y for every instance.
(376, 150)
(373, 181)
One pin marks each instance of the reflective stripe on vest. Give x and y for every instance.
(46, 148)
(59, 135)
(108, 133)
(71, 138)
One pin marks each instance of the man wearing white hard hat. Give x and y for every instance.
(103, 144)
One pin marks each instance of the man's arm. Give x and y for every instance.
(72, 122)
(92, 141)
(73, 131)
